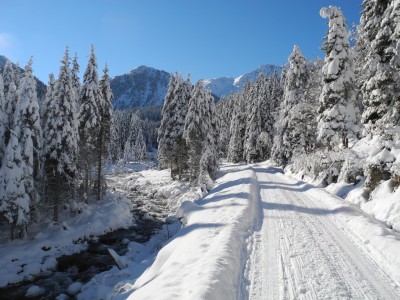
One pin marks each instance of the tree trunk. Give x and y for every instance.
(99, 165)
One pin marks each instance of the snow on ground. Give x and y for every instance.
(204, 259)
(227, 241)
(22, 259)
(314, 244)
(384, 201)
(156, 184)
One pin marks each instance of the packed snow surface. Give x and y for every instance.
(311, 245)
(260, 234)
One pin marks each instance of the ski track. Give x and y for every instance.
(297, 250)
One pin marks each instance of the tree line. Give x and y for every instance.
(53, 151)
(309, 117)
(313, 114)
(188, 134)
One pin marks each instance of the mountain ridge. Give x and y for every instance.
(223, 86)
(145, 86)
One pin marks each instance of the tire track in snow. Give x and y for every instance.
(300, 253)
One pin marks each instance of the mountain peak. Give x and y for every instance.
(142, 86)
(223, 86)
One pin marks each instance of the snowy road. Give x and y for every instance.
(299, 250)
(259, 234)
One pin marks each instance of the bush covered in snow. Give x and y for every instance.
(328, 167)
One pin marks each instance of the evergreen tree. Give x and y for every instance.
(165, 142)
(381, 89)
(209, 158)
(305, 113)
(314, 83)
(106, 124)
(269, 94)
(200, 133)
(140, 146)
(224, 110)
(276, 94)
(252, 147)
(379, 30)
(172, 150)
(76, 84)
(47, 100)
(288, 135)
(338, 112)
(9, 76)
(10, 92)
(61, 132)
(238, 127)
(135, 147)
(120, 133)
(28, 130)
(15, 200)
(89, 127)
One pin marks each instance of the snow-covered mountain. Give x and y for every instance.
(141, 87)
(145, 86)
(225, 85)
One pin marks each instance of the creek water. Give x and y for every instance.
(81, 267)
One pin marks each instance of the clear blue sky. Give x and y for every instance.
(210, 38)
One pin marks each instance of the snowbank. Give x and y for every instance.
(22, 259)
(351, 165)
(201, 260)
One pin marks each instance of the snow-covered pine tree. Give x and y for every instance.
(238, 127)
(89, 128)
(28, 130)
(172, 150)
(338, 112)
(314, 83)
(140, 146)
(359, 53)
(47, 100)
(379, 29)
(201, 135)
(165, 142)
(180, 151)
(288, 135)
(106, 124)
(252, 146)
(19, 73)
(10, 92)
(224, 110)
(76, 83)
(61, 148)
(210, 157)
(268, 95)
(121, 133)
(381, 90)
(15, 202)
(9, 76)
(306, 112)
(135, 142)
(276, 86)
